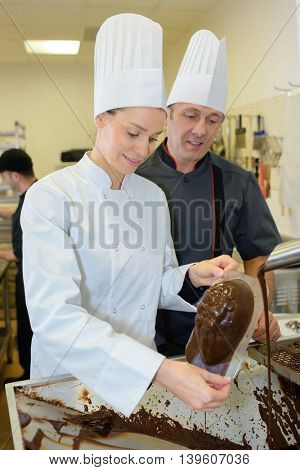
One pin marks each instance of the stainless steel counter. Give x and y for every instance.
(241, 421)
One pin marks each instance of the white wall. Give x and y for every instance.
(27, 94)
(250, 28)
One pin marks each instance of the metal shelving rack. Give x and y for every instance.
(14, 138)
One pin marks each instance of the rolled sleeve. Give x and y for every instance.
(256, 233)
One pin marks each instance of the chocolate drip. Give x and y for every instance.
(263, 285)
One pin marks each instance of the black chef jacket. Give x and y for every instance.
(24, 331)
(17, 234)
(214, 208)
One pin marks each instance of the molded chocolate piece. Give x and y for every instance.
(221, 321)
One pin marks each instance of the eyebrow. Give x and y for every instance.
(194, 110)
(143, 129)
(217, 114)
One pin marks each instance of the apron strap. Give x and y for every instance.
(219, 210)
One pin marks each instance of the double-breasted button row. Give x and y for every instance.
(114, 310)
(142, 248)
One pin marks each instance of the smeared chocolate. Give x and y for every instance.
(222, 319)
(284, 421)
(36, 441)
(106, 429)
(161, 427)
(271, 413)
(24, 419)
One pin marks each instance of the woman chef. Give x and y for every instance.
(98, 254)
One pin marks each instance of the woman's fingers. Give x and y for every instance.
(215, 379)
(197, 388)
(213, 406)
(205, 273)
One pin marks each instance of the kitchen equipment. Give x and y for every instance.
(261, 179)
(256, 166)
(228, 137)
(284, 255)
(286, 294)
(259, 135)
(240, 132)
(218, 145)
(73, 155)
(267, 172)
(285, 357)
(271, 150)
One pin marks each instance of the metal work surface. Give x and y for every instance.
(240, 423)
(285, 357)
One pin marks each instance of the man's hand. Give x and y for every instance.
(207, 272)
(259, 333)
(197, 388)
(8, 255)
(6, 213)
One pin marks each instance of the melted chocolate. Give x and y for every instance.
(161, 427)
(24, 418)
(222, 320)
(263, 285)
(285, 421)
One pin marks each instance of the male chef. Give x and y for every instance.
(215, 205)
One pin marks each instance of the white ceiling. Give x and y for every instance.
(68, 19)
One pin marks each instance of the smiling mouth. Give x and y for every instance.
(132, 161)
(195, 143)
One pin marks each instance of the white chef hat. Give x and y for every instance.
(128, 64)
(201, 78)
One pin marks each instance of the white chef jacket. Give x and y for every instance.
(97, 264)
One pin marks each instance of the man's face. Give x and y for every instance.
(7, 178)
(192, 130)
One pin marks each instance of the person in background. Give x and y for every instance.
(98, 253)
(16, 170)
(215, 205)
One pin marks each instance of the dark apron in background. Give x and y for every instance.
(173, 328)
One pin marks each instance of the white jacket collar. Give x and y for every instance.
(97, 175)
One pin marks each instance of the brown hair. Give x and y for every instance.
(114, 111)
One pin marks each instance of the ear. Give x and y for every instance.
(170, 111)
(15, 175)
(101, 120)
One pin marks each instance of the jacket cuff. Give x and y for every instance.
(127, 375)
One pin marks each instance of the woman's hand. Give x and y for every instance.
(207, 272)
(197, 388)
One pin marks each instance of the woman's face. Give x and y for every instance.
(126, 138)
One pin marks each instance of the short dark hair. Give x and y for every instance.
(113, 111)
(16, 160)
